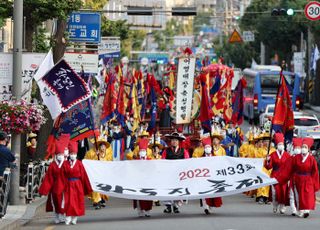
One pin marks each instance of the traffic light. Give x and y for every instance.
(282, 12)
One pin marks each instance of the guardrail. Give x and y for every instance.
(4, 191)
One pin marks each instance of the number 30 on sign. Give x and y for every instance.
(312, 10)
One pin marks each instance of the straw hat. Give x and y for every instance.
(144, 134)
(160, 146)
(32, 135)
(101, 140)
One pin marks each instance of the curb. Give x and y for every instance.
(22, 214)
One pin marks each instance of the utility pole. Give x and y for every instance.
(16, 93)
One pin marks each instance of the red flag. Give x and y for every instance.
(110, 100)
(283, 120)
(205, 109)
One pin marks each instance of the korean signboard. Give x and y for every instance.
(89, 61)
(184, 94)
(109, 48)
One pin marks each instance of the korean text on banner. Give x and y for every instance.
(193, 178)
(184, 93)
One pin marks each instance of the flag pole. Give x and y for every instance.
(275, 106)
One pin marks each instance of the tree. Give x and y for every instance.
(5, 11)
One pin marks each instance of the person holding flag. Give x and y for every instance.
(76, 186)
(53, 182)
(274, 161)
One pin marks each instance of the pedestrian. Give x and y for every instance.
(104, 153)
(77, 185)
(32, 146)
(6, 157)
(143, 206)
(174, 152)
(208, 203)
(53, 182)
(305, 180)
(280, 193)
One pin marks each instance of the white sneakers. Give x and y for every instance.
(59, 218)
(282, 208)
(71, 220)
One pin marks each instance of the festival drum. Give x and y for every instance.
(196, 102)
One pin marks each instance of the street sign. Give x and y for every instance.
(298, 63)
(248, 36)
(84, 27)
(312, 11)
(180, 41)
(109, 48)
(89, 61)
(235, 37)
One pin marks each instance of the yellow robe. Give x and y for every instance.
(91, 155)
(135, 153)
(246, 150)
(198, 152)
(220, 151)
(264, 191)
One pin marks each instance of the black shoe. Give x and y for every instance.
(97, 206)
(168, 209)
(102, 204)
(147, 215)
(157, 203)
(293, 214)
(206, 211)
(306, 215)
(175, 210)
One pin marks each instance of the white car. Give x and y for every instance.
(305, 124)
(267, 115)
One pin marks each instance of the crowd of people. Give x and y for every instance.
(293, 165)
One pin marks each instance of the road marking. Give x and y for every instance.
(50, 227)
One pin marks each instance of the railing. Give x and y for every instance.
(34, 177)
(4, 191)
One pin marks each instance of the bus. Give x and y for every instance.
(261, 90)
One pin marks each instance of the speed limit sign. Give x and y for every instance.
(312, 11)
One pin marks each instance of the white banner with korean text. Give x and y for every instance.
(189, 179)
(184, 92)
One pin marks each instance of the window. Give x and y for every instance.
(305, 122)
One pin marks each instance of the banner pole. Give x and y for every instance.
(275, 106)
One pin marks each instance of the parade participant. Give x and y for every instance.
(77, 185)
(217, 149)
(296, 149)
(261, 152)
(305, 180)
(174, 152)
(143, 206)
(135, 153)
(31, 146)
(156, 149)
(104, 153)
(274, 161)
(247, 148)
(198, 151)
(53, 182)
(116, 138)
(234, 136)
(208, 203)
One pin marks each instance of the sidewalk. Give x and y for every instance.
(18, 215)
(312, 107)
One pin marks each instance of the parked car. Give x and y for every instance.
(306, 125)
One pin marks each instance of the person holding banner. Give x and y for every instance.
(77, 185)
(274, 161)
(174, 152)
(144, 135)
(208, 203)
(143, 206)
(104, 153)
(53, 182)
(304, 171)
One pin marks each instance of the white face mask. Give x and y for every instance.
(142, 153)
(280, 147)
(73, 157)
(60, 157)
(304, 150)
(297, 150)
(208, 150)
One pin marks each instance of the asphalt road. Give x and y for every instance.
(238, 212)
